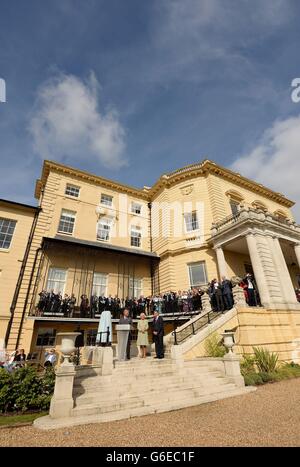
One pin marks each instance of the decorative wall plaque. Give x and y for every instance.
(186, 190)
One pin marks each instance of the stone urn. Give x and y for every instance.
(236, 280)
(67, 345)
(228, 340)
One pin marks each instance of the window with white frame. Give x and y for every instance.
(72, 190)
(135, 236)
(99, 284)
(191, 221)
(103, 229)
(67, 221)
(135, 287)
(56, 280)
(7, 228)
(197, 272)
(136, 208)
(106, 199)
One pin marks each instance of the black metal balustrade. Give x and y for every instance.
(190, 329)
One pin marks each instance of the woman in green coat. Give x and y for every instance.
(142, 340)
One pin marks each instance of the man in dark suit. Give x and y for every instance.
(125, 319)
(227, 293)
(158, 335)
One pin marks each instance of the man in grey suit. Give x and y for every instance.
(125, 319)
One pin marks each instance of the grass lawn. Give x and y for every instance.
(23, 418)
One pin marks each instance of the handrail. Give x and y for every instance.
(99, 341)
(210, 315)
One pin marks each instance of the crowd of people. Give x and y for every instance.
(18, 359)
(169, 302)
(220, 295)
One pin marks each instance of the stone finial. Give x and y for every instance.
(239, 296)
(235, 280)
(206, 306)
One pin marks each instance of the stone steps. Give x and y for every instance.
(173, 393)
(47, 423)
(145, 386)
(150, 391)
(107, 406)
(146, 381)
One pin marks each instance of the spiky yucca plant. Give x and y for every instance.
(265, 360)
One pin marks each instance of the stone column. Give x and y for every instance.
(232, 369)
(260, 275)
(297, 252)
(222, 266)
(283, 273)
(62, 401)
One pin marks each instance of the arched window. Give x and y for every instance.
(259, 205)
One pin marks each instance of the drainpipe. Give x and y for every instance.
(27, 297)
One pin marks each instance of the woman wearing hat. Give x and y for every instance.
(142, 340)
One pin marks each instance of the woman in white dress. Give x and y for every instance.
(142, 340)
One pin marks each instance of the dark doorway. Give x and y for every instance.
(248, 269)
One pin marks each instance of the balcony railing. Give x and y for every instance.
(252, 214)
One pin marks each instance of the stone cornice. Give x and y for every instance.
(206, 167)
(88, 177)
(168, 180)
(184, 249)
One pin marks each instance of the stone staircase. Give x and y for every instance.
(142, 387)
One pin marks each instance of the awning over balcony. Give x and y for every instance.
(60, 239)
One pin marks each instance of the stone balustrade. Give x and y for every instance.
(252, 214)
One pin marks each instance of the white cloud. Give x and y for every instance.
(191, 36)
(275, 161)
(67, 125)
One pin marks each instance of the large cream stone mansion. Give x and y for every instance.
(90, 233)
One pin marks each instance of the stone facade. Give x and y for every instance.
(185, 219)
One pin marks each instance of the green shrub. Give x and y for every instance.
(247, 364)
(288, 370)
(265, 360)
(214, 347)
(25, 389)
(293, 365)
(253, 379)
(267, 377)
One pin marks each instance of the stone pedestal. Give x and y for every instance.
(62, 401)
(107, 361)
(239, 296)
(97, 356)
(232, 369)
(206, 306)
(103, 360)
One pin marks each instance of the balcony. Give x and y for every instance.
(251, 217)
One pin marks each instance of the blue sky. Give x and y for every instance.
(132, 89)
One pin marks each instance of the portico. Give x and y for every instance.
(273, 247)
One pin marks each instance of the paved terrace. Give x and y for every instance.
(269, 416)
